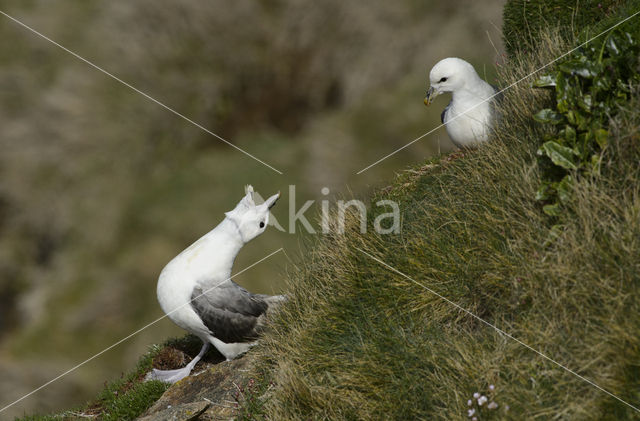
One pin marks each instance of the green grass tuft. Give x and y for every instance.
(126, 404)
(130, 396)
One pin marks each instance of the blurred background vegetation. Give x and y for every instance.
(100, 188)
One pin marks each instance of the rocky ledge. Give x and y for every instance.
(210, 393)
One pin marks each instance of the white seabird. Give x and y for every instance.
(470, 115)
(195, 289)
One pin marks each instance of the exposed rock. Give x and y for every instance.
(206, 395)
(187, 411)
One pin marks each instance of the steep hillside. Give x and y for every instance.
(376, 327)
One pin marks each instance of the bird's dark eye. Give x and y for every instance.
(261, 224)
(444, 79)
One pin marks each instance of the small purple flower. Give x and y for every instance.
(471, 412)
(492, 405)
(492, 387)
(469, 402)
(476, 395)
(482, 400)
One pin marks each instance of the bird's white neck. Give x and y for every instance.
(229, 228)
(212, 256)
(226, 239)
(476, 90)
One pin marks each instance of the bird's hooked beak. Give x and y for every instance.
(270, 202)
(432, 93)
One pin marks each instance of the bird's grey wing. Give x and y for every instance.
(229, 311)
(443, 116)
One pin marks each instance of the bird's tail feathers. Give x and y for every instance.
(273, 299)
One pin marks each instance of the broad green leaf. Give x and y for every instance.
(562, 105)
(602, 137)
(602, 84)
(547, 115)
(561, 85)
(552, 210)
(544, 192)
(546, 81)
(583, 144)
(612, 47)
(564, 189)
(582, 68)
(595, 164)
(559, 155)
(582, 120)
(570, 134)
(584, 101)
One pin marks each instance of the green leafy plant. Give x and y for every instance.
(590, 87)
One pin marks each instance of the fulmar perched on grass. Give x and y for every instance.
(196, 291)
(470, 115)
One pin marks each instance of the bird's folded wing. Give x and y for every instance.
(229, 311)
(443, 116)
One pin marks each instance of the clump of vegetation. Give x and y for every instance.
(525, 21)
(128, 398)
(361, 339)
(591, 86)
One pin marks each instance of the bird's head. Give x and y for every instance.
(251, 219)
(448, 75)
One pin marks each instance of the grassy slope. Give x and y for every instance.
(360, 342)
